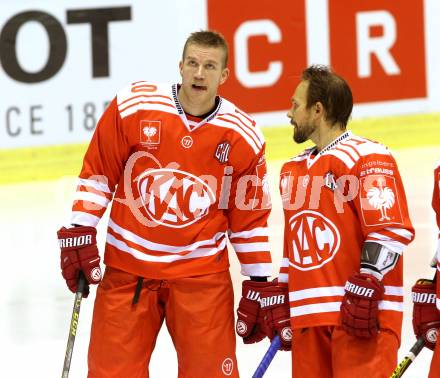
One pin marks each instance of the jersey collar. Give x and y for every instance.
(182, 115)
(311, 158)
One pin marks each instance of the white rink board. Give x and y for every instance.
(146, 46)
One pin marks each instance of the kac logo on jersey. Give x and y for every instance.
(150, 133)
(174, 198)
(315, 240)
(222, 152)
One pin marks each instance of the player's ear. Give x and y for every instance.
(225, 75)
(181, 67)
(319, 108)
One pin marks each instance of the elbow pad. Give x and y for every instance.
(377, 260)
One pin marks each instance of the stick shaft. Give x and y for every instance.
(409, 358)
(73, 325)
(268, 357)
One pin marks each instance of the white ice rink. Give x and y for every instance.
(35, 305)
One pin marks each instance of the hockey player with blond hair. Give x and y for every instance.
(182, 168)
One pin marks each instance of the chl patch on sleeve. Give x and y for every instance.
(380, 200)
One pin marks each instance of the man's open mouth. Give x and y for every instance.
(199, 87)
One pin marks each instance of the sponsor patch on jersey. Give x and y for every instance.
(187, 141)
(315, 240)
(150, 133)
(222, 152)
(330, 181)
(174, 198)
(379, 201)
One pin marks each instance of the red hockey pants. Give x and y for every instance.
(434, 371)
(329, 352)
(198, 312)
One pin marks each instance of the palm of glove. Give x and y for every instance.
(359, 308)
(426, 317)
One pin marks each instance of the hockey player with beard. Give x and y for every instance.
(182, 167)
(346, 226)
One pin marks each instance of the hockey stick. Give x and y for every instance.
(409, 358)
(268, 357)
(73, 324)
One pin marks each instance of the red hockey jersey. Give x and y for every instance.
(335, 200)
(436, 207)
(176, 186)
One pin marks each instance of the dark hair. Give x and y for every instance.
(207, 38)
(332, 91)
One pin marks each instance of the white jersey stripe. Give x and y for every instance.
(250, 247)
(145, 97)
(148, 106)
(394, 290)
(259, 231)
(350, 147)
(344, 151)
(229, 125)
(391, 306)
(256, 270)
(91, 197)
(392, 245)
(200, 252)
(341, 156)
(315, 308)
(285, 262)
(331, 291)
(95, 185)
(224, 118)
(147, 244)
(365, 147)
(348, 151)
(283, 277)
(401, 232)
(252, 130)
(316, 292)
(84, 219)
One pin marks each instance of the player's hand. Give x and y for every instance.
(248, 325)
(275, 310)
(79, 253)
(426, 317)
(359, 308)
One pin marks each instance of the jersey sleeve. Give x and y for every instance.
(284, 188)
(248, 211)
(436, 207)
(102, 167)
(381, 202)
(283, 277)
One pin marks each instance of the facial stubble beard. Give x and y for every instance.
(302, 134)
